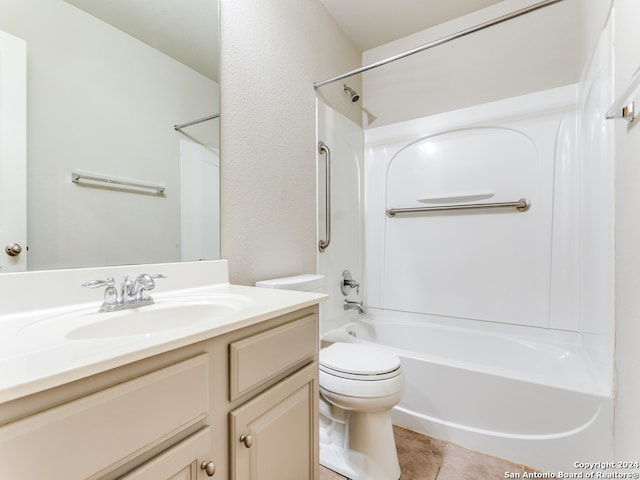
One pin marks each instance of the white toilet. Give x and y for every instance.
(359, 385)
(365, 382)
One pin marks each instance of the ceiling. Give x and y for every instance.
(186, 30)
(189, 33)
(370, 23)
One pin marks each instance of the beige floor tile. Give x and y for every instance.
(461, 464)
(427, 458)
(326, 474)
(420, 456)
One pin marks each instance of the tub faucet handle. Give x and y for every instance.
(347, 283)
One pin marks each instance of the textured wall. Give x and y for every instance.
(271, 53)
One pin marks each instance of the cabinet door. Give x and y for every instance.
(90, 437)
(274, 436)
(184, 461)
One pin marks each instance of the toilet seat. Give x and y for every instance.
(358, 362)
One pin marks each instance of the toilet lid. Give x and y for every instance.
(357, 359)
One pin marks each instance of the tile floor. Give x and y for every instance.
(426, 458)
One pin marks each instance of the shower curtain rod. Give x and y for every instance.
(440, 41)
(200, 120)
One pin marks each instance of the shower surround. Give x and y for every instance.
(503, 319)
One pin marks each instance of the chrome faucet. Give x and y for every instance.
(350, 305)
(131, 294)
(347, 283)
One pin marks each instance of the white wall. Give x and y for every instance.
(627, 358)
(101, 101)
(272, 53)
(594, 18)
(537, 51)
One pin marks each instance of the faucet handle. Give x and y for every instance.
(347, 283)
(144, 282)
(110, 293)
(147, 280)
(109, 282)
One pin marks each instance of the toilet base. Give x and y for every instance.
(362, 448)
(371, 434)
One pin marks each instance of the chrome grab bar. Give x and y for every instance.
(323, 244)
(521, 205)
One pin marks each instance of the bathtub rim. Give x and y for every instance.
(593, 384)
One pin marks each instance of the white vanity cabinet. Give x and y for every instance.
(180, 414)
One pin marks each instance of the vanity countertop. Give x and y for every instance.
(37, 352)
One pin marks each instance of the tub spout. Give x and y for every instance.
(350, 305)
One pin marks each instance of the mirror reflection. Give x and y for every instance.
(106, 82)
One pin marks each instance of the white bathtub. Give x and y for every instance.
(532, 401)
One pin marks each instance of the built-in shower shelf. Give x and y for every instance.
(456, 197)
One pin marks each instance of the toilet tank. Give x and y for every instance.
(304, 283)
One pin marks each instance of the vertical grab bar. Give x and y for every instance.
(324, 149)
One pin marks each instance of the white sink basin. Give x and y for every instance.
(164, 315)
(147, 320)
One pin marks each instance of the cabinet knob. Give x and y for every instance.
(209, 468)
(247, 440)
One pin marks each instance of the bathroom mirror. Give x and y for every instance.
(106, 84)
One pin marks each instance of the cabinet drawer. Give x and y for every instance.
(88, 437)
(259, 358)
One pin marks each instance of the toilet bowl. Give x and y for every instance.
(366, 383)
